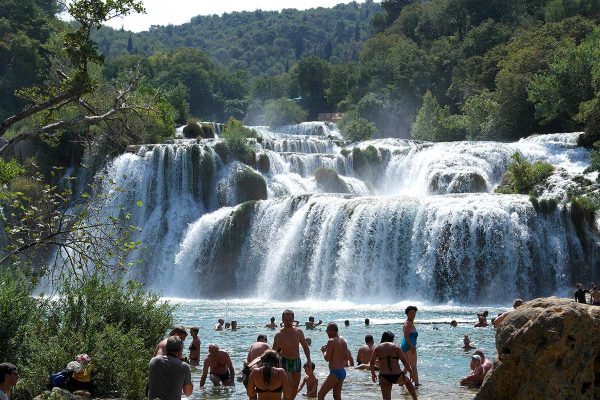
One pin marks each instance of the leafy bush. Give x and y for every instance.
(434, 122)
(283, 112)
(9, 170)
(358, 129)
(192, 129)
(236, 135)
(117, 324)
(522, 176)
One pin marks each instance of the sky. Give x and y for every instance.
(177, 12)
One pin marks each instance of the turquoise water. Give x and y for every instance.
(441, 361)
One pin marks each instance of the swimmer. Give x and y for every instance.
(219, 325)
(388, 354)
(476, 375)
(272, 324)
(161, 347)
(219, 364)
(258, 348)
(310, 324)
(363, 357)
(367, 321)
(195, 347)
(453, 323)
(310, 380)
(287, 342)
(335, 353)
(346, 323)
(467, 343)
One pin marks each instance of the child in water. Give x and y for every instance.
(310, 380)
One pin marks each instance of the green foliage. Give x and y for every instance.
(249, 185)
(259, 42)
(236, 137)
(310, 77)
(358, 129)
(192, 130)
(283, 112)
(367, 163)
(117, 324)
(434, 122)
(521, 176)
(9, 170)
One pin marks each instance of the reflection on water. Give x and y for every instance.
(441, 362)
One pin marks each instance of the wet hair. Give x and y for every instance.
(221, 321)
(174, 344)
(453, 323)
(269, 359)
(347, 323)
(367, 321)
(287, 312)
(179, 330)
(485, 314)
(272, 319)
(312, 365)
(387, 337)
(333, 326)
(311, 318)
(195, 329)
(261, 337)
(409, 309)
(369, 339)
(6, 369)
(517, 303)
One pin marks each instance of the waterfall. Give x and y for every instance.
(381, 220)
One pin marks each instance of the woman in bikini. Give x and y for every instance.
(409, 342)
(269, 382)
(389, 355)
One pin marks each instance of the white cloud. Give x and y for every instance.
(176, 12)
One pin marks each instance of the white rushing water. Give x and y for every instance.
(409, 218)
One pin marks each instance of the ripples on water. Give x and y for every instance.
(441, 361)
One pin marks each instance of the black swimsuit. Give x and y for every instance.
(391, 378)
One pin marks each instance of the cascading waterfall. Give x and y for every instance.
(410, 219)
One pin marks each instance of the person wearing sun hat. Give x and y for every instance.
(476, 376)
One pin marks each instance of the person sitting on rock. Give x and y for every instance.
(501, 317)
(595, 296)
(476, 376)
(580, 294)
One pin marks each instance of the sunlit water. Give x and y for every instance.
(441, 360)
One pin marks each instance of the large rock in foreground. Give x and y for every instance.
(547, 349)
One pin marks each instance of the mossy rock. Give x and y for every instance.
(470, 182)
(367, 163)
(192, 130)
(263, 163)
(207, 131)
(329, 181)
(222, 150)
(249, 185)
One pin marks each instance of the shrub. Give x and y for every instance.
(249, 185)
(283, 112)
(522, 176)
(9, 170)
(264, 164)
(192, 129)
(117, 324)
(358, 129)
(236, 135)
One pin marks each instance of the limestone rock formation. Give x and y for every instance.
(548, 348)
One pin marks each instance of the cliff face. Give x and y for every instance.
(548, 348)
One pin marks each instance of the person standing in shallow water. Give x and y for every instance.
(388, 355)
(269, 382)
(335, 352)
(286, 343)
(409, 342)
(195, 347)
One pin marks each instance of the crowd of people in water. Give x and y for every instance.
(275, 371)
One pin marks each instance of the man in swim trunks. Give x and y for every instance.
(286, 343)
(160, 349)
(335, 352)
(220, 366)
